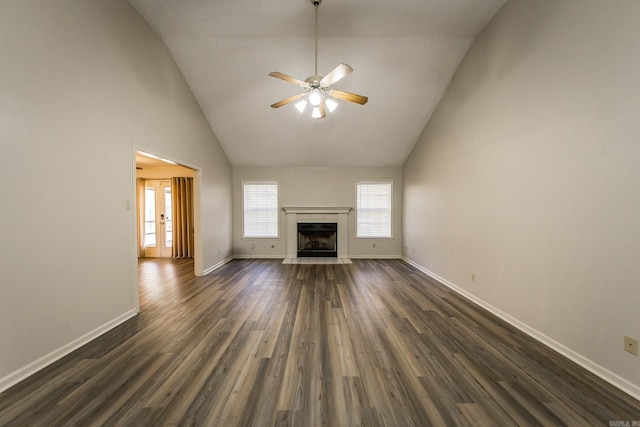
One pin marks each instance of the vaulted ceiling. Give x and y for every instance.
(404, 53)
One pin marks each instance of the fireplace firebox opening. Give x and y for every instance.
(318, 240)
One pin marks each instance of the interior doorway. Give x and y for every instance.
(156, 221)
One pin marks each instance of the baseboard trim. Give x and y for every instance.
(610, 377)
(37, 365)
(375, 256)
(259, 256)
(217, 266)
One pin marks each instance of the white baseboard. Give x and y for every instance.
(375, 256)
(259, 256)
(217, 266)
(610, 377)
(33, 367)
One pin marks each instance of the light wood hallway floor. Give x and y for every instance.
(261, 343)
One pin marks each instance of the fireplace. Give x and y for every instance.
(336, 216)
(318, 239)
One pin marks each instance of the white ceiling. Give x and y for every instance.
(403, 53)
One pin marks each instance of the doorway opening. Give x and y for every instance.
(167, 210)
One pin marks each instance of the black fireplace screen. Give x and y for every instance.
(317, 240)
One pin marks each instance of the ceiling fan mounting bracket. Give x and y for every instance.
(314, 82)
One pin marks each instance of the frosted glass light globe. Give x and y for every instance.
(315, 98)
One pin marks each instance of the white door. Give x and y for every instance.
(158, 226)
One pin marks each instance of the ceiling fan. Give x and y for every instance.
(317, 92)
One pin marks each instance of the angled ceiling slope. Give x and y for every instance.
(403, 54)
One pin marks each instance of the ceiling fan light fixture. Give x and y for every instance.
(315, 98)
(316, 87)
(301, 105)
(331, 104)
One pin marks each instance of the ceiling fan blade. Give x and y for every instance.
(348, 96)
(323, 113)
(287, 100)
(286, 78)
(336, 74)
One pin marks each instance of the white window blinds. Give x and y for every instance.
(373, 209)
(260, 209)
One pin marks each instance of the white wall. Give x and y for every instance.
(83, 82)
(527, 176)
(317, 187)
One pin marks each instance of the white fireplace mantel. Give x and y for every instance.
(336, 215)
(317, 211)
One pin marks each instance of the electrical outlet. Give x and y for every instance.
(631, 345)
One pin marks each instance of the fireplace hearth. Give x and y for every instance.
(317, 240)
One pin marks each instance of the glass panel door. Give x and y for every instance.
(158, 224)
(150, 217)
(168, 223)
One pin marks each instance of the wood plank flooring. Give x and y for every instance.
(259, 343)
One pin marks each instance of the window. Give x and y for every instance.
(260, 209)
(373, 212)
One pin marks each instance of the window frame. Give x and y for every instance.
(244, 182)
(391, 214)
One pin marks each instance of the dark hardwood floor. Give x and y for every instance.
(261, 343)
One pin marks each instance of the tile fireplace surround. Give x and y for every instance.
(316, 215)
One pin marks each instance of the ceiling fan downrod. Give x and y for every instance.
(316, 3)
